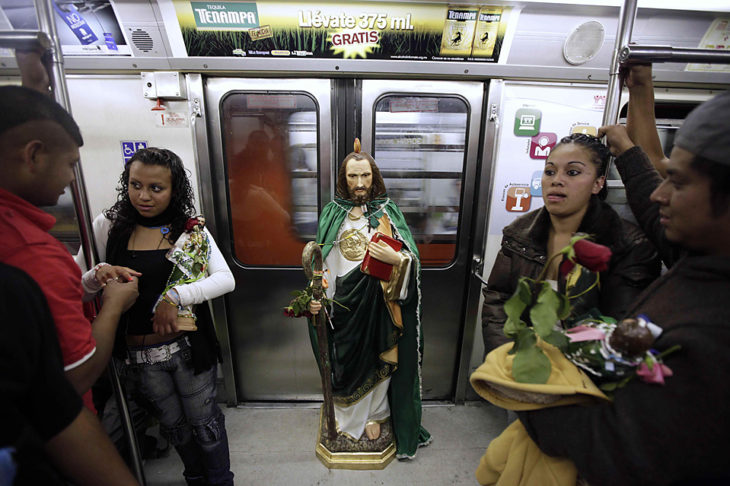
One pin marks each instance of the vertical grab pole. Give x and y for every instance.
(627, 15)
(57, 77)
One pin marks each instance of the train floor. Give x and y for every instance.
(275, 446)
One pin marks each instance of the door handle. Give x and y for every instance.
(477, 266)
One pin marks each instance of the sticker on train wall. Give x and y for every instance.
(170, 119)
(109, 40)
(518, 199)
(129, 147)
(527, 122)
(541, 145)
(582, 128)
(536, 184)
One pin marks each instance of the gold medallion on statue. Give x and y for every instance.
(353, 245)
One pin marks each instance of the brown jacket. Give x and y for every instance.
(634, 265)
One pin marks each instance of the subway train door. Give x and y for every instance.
(424, 136)
(271, 156)
(272, 145)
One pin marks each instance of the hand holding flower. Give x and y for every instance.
(164, 321)
(314, 307)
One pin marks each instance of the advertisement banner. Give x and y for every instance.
(351, 30)
(89, 27)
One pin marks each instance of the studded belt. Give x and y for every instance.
(157, 353)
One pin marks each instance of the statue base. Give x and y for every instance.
(346, 453)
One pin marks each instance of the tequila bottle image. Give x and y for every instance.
(487, 27)
(458, 31)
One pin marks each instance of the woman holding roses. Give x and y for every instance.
(150, 233)
(573, 190)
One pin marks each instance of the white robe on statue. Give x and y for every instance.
(373, 407)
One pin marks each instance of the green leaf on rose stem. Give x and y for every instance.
(530, 364)
(521, 298)
(578, 237)
(512, 327)
(544, 314)
(564, 307)
(557, 339)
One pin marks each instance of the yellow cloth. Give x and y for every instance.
(513, 459)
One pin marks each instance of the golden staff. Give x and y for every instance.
(312, 265)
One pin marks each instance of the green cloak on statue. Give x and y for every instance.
(364, 330)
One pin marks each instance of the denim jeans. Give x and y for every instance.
(185, 405)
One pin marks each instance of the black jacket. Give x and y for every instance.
(634, 265)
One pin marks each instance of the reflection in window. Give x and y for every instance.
(270, 143)
(66, 229)
(420, 150)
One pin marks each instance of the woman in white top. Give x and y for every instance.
(172, 371)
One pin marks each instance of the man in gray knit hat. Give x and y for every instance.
(677, 432)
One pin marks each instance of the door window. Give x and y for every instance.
(270, 146)
(420, 147)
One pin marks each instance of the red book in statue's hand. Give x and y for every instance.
(376, 268)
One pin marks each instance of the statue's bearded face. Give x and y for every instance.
(359, 180)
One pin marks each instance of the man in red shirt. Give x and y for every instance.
(39, 147)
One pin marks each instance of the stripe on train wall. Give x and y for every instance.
(349, 30)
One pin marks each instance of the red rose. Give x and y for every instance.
(191, 223)
(566, 266)
(591, 255)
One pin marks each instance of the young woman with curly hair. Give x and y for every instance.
(172, 371)
(573, 190)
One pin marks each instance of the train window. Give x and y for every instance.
(420, 149)
(66, 229)
(270, 145)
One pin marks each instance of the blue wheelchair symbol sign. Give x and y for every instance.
(129, 147)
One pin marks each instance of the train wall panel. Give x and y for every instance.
(111, 110)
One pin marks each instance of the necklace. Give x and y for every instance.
(164, 230)
(351, 217)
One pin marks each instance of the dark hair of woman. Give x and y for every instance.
(600, 154)
(123, 215)
(378, 187)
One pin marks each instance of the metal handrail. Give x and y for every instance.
(626, 54)
(29, 40)
(632, 54)
(627, 15)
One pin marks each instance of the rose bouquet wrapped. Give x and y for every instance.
(611, 353)
(190, 255)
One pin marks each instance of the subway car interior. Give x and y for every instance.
(263, 100)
